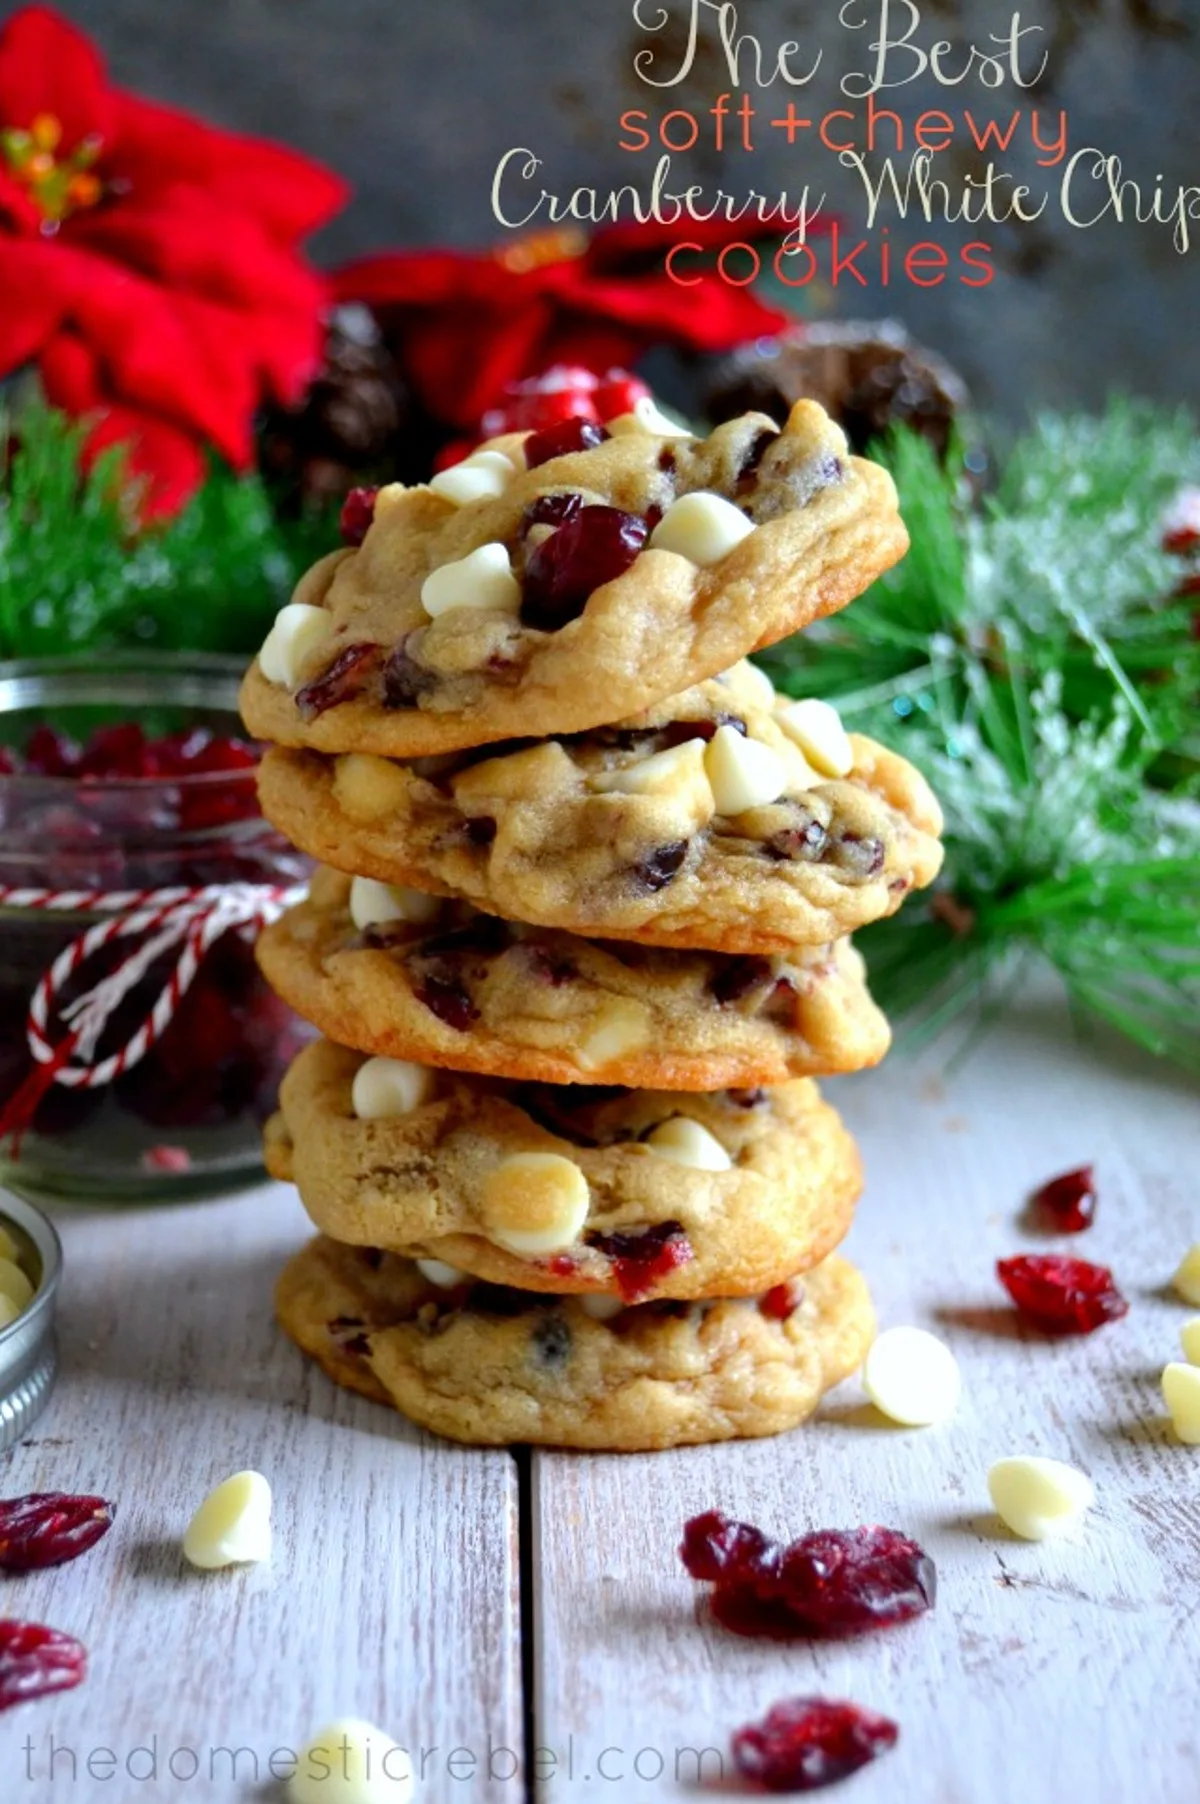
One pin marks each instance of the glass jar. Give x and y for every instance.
(186, 1117)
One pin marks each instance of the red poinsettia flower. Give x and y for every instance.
(465, 325)
(148, 263)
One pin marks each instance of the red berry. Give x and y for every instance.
(36, 1660)
(573, 434)
(780, 1302)
(358, 511)
(619, 393)
(591, 549)
(48, 1527)
(1062, 1296)
(641, 1260)
(806, 1743)
(340, 682)
(831, 1582)
(1069, 1202)
(50, 754)
(118, 753)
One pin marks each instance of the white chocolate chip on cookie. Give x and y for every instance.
(484, 579)
(618, 1028)
(368, 787)
(372, 902)
(298, 631)
(446, 1277)
(702, 527)
(535, 1203)
(600, 1306)
(816, 727)
(484, 473)
(647, 416)
(688, 1142)
(385, 1088)
(744, 773)
(678, 773)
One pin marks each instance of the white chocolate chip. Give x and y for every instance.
(621, 1026)
(688, 1142)
(446, 1277)
(15, 1284)
(600, 1306)
(232, 1525)
(8, 1247)
(1189, 1336)
(535, 1203)
(744, 773)
(702, 527)
(298, 631)
(367, 787)
(385, 1088)
(1181, 1391)
(680, 773)
(754, 682)
(9, 1311)
(816, 727)
(647, 416)
(351, 1762)
(372, 903)
(912, 1377)
(1036, 1497)
(484, 579)
(484, 473)
(1187, 1276)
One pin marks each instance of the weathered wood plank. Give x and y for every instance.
(1046, 1670)
(392, 1591)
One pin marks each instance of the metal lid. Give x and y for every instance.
(28, 1354)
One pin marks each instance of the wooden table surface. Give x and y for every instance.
(483, 1604)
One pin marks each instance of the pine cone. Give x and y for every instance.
(868, 376)
(348, 427)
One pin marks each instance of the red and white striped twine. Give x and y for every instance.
(159, 919)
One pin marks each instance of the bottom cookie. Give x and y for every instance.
(492, 1366)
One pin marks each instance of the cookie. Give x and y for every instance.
(480, 994)
(585, 590)
(567, 1189)
(492, 1366)
(701, 824)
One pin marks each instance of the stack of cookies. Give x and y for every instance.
(578, 944)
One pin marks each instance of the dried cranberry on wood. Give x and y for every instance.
(804, 1744)
(1068, 1202)
(1062, 1296)
(35, 1661)
(47, 1528)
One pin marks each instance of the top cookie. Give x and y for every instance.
(574, 593)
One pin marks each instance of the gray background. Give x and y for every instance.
(414, 101)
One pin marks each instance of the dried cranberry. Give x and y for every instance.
(358, 511)
(780, 1302)
(551, 510)
(832, 1582)
(348, 1332)
(752, 457)
(738, 978)
(715, 1547)
(806, 1743)
(118, 752)
(1069, 1202)
(1062, 1296)
(594, 547)
(747, 1099)
(445, 995)
(48, 1527)
(573, 434)
(805, 843)
(663, 864)
(551, 1341)
(641, 1260)
(345, 678)
(50, 754)
(549, 967)
(35, 1661)
(480, 830)
(404, 680)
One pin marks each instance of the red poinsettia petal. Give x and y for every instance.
(156, 146)
(47, 66)
(710, 315)
(169, 460)
(18, 210)
(30, 307)
(420, 279)
(459, 367)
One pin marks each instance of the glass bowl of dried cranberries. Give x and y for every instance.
(140, 1051)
